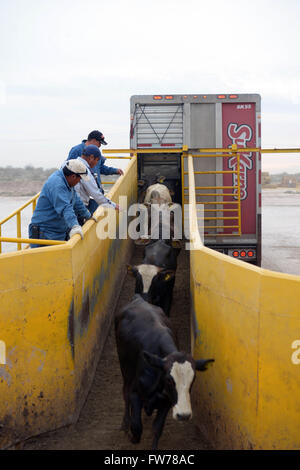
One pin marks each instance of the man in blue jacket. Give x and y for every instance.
(59, 206)
(95, 138)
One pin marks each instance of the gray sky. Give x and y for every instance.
(70, 66)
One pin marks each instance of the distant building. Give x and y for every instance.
(288, 181)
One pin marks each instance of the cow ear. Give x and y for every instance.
(160, 179)
(176, 244)
(168, 274)
(153, 360)
(131, 270)
(203, 364)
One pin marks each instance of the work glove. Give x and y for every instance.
(76, 229)
(93, 217)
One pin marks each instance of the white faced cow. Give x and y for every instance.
(155, 277)
(156, 376)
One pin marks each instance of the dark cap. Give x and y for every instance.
(91, 150)
(97, 135)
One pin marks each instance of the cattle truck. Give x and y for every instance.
(166, 128)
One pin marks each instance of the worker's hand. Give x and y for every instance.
(117, 208)
(76, 229)
(120, 172)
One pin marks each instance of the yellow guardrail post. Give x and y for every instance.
(238, 156)
(19, 229)
(183, 155)
(239, 195)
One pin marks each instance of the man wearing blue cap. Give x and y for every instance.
(95, 138)
(89, 191)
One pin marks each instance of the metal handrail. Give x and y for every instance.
(17, 214)
(31, 201)
(237, 203)
(34, 241)
(209, 151)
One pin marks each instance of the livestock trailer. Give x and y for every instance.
(166, 128)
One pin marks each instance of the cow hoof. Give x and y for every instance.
(149, 410)
(135, 439)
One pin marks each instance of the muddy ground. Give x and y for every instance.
(98, 427)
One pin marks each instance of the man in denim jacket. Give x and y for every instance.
(59, 207)
(95, 138)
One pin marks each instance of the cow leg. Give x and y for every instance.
(158, 424)
(168, 298)
(167, 304)
(126, 417)
(136, 425)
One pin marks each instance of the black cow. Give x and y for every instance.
(162, 253)
(155, 277)
(156, 376)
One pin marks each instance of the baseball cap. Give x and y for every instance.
(97, 135)
(78, 167)
(91, 150)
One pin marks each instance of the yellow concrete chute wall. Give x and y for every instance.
(248, 320)
(56, 307)
(98, 269)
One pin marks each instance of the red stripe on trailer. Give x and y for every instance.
(168, 145)
(144, 145)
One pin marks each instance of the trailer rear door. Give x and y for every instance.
(158, 126)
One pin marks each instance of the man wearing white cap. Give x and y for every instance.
(59, 206)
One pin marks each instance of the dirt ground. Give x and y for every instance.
(98, 427)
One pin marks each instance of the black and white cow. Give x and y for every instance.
(155, 276)
(154, 284)
(156, 375)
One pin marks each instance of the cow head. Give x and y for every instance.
(149, 280)
(179, 375)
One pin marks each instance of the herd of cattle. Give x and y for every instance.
(156, 375)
